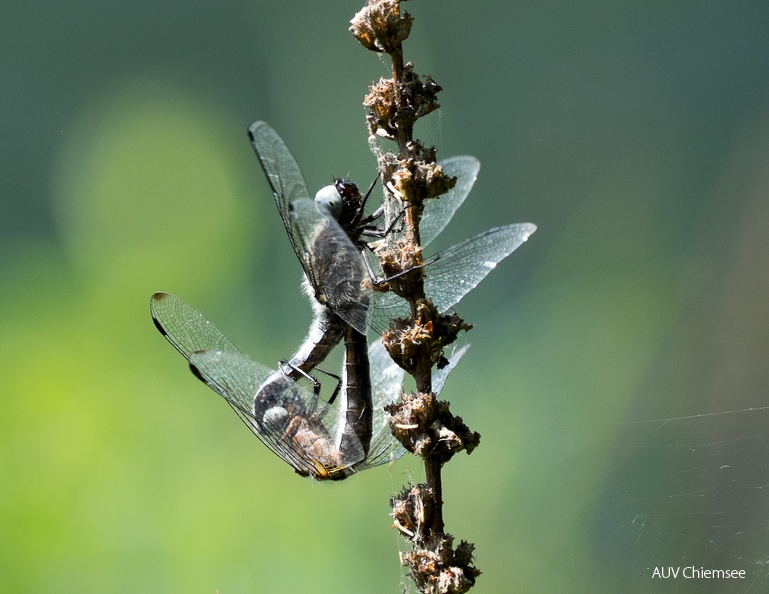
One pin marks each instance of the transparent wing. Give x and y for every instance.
(441, 375)
(457, 270)
(439, 211)
(387, 383)
(386, 386)
(301, 439)
(185, 327)
(282, 172)
(454, 272)
(288, 187)
(386, 376)
(333, 265)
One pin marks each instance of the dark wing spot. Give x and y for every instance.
(158, 326)
(197, 373)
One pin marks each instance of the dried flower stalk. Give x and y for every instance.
(422, 423)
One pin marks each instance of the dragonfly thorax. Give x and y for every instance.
(342, 200)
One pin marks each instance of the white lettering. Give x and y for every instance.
(690, 573)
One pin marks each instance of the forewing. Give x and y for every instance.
(185, 327)
(454, 272)
(334, 266)
(285, 179)
(439, 211)
(330, 261)
(457, 270)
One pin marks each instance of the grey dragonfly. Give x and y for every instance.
(328, 235)
(312, 436)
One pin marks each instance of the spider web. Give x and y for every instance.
(688, 492)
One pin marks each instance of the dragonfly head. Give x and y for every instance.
(328, 198)
(275, 416)
(276, 403)
(342, 200)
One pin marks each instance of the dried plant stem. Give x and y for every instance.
(424, 425)
(435, 484)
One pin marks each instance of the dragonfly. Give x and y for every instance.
(312, 436)
(328, 237)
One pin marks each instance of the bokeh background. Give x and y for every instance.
(618, 369)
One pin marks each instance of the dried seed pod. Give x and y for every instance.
(380, 26)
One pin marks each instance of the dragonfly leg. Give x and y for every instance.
(365, 199)
(286, 365)
(336, 390)
(316, 384)
(338, 387)
(378, 232)
(378, 282)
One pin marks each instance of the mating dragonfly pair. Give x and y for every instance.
(348, 432)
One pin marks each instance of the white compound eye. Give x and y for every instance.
(276, 416)
(328, 197)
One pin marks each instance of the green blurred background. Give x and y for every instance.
(615, 356)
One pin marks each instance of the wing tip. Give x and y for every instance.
(254, 128)
(159, 296)
(529, 229)
(157, 299)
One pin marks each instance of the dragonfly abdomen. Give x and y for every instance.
(326, 331)
(356, 390)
